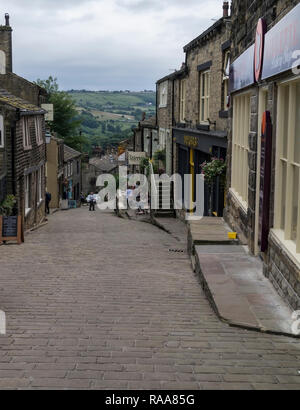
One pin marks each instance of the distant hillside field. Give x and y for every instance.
(109, 116)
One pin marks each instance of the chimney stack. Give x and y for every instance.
(6, 46)
(226, 9)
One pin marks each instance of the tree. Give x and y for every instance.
(66, 122)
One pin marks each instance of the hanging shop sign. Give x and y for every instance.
(265, 179)
(259, 48)
(134, 158)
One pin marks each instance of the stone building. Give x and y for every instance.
(23, 155)
(145, 139)
(165, 90)
(55, 171)
(263, 201)
(22, 146)
(10, 81)
(72, 174)
(201, 107)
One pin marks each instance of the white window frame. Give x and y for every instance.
(182, 100)
(69, 169)
(27, 192)
(163, 94)
(226, 80)
(26, 133)
(204, 96)
(284, 191)
(2, 136)
(162, 138)
(38, 129)
(240, 148)
(39, 185)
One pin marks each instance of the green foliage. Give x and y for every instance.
(145, 166)
(115, 113)
(66, 122)
(160, 155)
(215, 168)
(8, 205)
(50, 85)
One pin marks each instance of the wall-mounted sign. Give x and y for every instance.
(274, 52)
(134, 158)
(49, 116)
(190, 141)
(241, 71)
(265, 179)
(280, 44)
(259, 48)
(11, 229)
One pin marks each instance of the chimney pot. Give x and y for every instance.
(225, 8)
(7, 19)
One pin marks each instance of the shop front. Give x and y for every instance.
(263, 203)
(194, 148)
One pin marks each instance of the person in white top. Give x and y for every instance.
(91, 199)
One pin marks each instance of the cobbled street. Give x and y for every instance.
(97, 302)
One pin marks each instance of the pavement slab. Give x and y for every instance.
(238, 290)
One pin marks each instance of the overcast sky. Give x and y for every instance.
(104, 44)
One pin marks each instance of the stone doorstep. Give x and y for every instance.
(239, 302)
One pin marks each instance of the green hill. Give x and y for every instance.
(108, 117)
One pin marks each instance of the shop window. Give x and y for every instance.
(204, 96)
(1, 132)
(26, 133)
(287, 183)
(163, 93)
(182, 99)
(240, 148)
(226, 66)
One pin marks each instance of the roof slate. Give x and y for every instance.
(19, 103)
(70, 153)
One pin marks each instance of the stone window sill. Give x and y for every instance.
(289, 246)
(243, 204)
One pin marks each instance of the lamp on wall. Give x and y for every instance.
(48, 137)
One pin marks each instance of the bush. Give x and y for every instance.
(7, 207)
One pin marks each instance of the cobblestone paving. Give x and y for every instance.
(97, 302)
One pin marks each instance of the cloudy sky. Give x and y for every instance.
(104, 44)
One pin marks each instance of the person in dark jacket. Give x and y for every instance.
(48, 200)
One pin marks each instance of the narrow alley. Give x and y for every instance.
(93, 301)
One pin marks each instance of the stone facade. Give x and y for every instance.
(279, 265)
(72, 173)
(55, 170)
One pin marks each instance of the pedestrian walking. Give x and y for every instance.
(47, 201)
(91, 199)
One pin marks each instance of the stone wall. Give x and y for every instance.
(29, 161)
(24, 89)
(209, 50)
